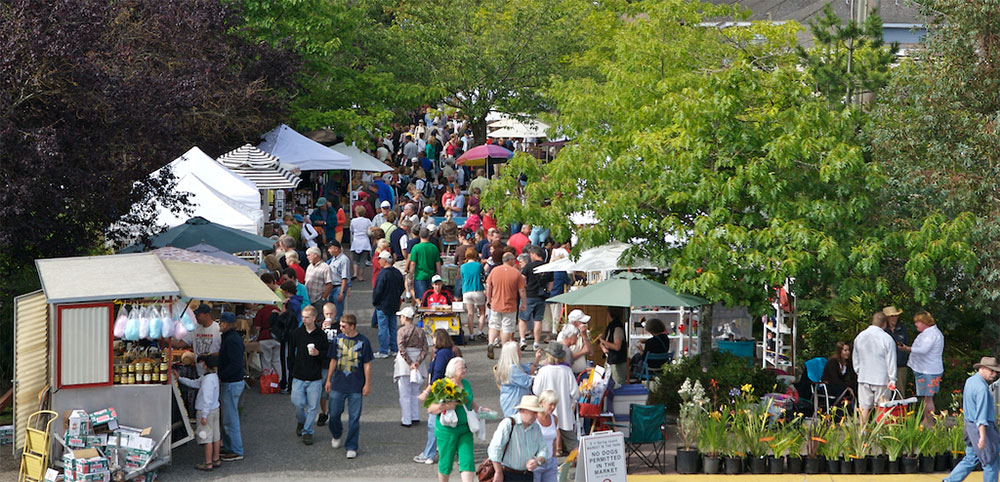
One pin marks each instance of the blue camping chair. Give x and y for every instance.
(814, 372)
(644, 372)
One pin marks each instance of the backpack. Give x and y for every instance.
(279, 323)
(427, 190)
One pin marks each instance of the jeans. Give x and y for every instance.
(386, 331)
(334, 293)
(538, 235)
(548, 472)
(968, 464)
(431, 449)
(229, 398)
(305, 399)
(409, 405)
(353, 400)
(420, 286)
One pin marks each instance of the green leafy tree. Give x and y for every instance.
(351, 76)
(935, 135)
(712, 148)
(477, 55)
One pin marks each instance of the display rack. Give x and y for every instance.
(683, 342)
(779, 334)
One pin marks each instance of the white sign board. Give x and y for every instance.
(602, 458)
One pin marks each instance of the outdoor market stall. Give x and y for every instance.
(88, 358)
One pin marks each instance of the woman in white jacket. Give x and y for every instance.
(557, 376)
(925, 361)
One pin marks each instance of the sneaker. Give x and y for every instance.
(322, 419)
(489, 350)
(535, 346)
(392, 354)
(335, 443)
(351, 454)
(307, 439)
(524, 344)
(230, 457)
(298, 430)
(380, 355)
(420, 459)
(429, 461)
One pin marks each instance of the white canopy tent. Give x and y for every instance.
(213, 206)
(227, 182)
(521, 131)
(296, 149)
(601, 258)
(361, 161)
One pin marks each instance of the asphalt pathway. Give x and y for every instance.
(274, 452)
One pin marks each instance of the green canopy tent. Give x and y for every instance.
(200, 230)
(630, 290)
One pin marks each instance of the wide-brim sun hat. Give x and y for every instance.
(891, 311)
(556, 350)
(530, 402)
(988, 362)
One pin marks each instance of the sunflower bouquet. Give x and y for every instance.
(444, 390)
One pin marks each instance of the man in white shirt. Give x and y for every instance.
(206, 339)
(875, 363)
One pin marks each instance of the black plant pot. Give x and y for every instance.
(909, 465)
(794, 465)
(878, 463)
(926, 464)
(833, 466)
(956, 458)
(776, 464)
(711, 464)
(734, 465)
(812, 465)
(892, 467)
(846, 465)
(860, 465)
(758, 465)
(942, 462)
(687, 461)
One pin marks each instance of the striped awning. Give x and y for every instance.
(259, 167)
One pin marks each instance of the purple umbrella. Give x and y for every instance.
(482, 152)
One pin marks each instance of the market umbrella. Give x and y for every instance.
(220, 255)
(259, 167)
(481, 153)
(188, 256)
(627, 290)
(200, 230)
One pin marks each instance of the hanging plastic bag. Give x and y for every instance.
(168, 322)
(120, 322)
(132, 325)
(180, 332)
(449, 418)
(188, 319)
(155, 323)
(144, 323)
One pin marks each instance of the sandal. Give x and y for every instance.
(217, 463)
(205, 467)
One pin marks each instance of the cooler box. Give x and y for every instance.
(742, 349)
(623, 397)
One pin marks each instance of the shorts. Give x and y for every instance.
(869, 395)
(477, 298)
(210, 432)
(505, 322)
(358, 258)
(927, 383)
(534, 310)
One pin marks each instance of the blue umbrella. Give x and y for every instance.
(199, 230)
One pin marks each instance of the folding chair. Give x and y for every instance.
(644, 374)
(814, 372)
(648, 426)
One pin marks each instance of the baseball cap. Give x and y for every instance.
(578, 316)
(227, 317)
(385, 255)
(437, 278)
(432, 227)
(428, 209)
(385, 204)
(406, 312)
(202, 308)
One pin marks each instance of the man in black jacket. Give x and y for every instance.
(230, 387)
(389, 287)
(308, 342)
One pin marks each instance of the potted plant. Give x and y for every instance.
(942, 445)
(909, 430)
(751, 423)
(816, 433)
(831, 450)
(956, 438)
(691, 410)
(856, 444)
(713, 433)
(796, 442)
(892, 448)
(734, 452)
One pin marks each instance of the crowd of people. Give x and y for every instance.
(397, 234)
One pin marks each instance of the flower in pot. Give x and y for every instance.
(692, 409)
(785, 440)
(956, 437)
(816, 432)
(713, 434)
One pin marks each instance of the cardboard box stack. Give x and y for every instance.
(88, 434)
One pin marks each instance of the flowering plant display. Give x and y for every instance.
(713, 432)
(444, 390)
(692, 407)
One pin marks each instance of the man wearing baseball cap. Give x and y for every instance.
(383, 209)
(206, 338)
(389, 287)
(437, 295)
(981, 436)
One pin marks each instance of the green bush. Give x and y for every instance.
(728, 372)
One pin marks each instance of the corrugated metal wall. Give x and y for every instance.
(84, 345)
(31, 358)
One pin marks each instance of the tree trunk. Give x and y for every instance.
(479, 130)
(705, 336)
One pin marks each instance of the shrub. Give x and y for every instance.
(727, 372)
